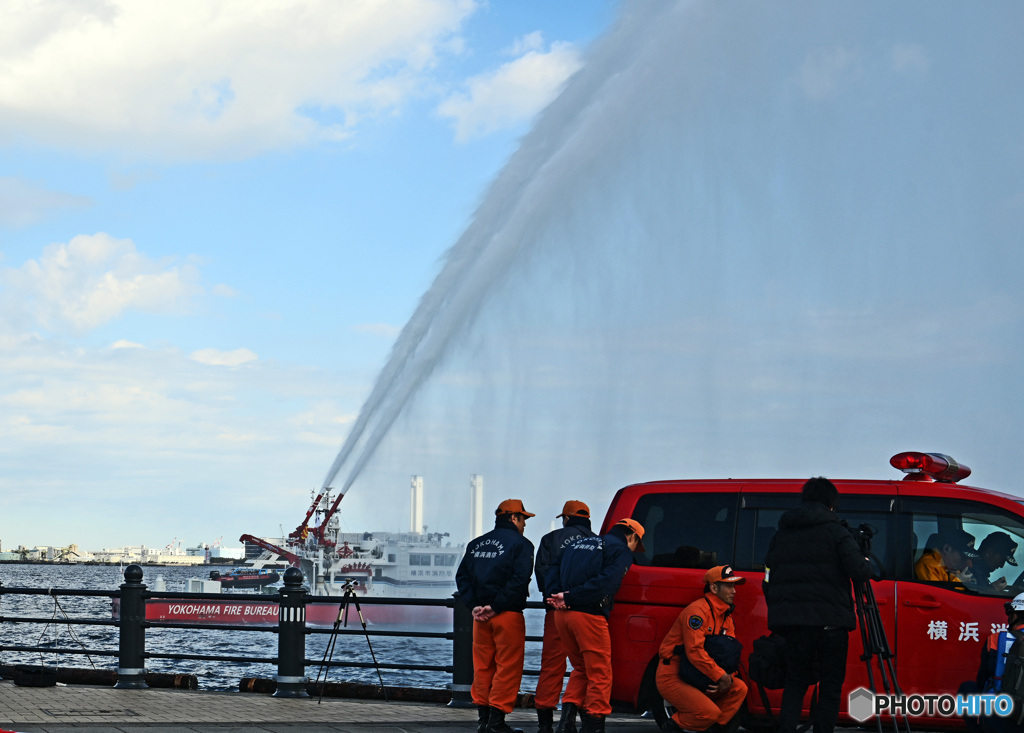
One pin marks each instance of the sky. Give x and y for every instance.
(215, 217)
(567, 246)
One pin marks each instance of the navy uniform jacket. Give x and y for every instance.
(496, 569)
(551, 547)
(591, 572)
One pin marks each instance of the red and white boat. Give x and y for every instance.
(372, 565)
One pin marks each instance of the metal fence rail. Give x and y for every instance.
(290, 628)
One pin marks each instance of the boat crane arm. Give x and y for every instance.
(270, 547)
(319, 531)
(297, 534)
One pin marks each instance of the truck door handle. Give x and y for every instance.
(922, 604)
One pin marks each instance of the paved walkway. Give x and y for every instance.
(64, 709)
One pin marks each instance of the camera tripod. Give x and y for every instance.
(348, 599)
(873, 638)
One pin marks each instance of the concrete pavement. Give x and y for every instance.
(63, 709)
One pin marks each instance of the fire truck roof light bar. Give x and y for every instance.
(936, 466)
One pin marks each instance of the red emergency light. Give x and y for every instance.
(934, 466)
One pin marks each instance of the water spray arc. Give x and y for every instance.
(725, 248)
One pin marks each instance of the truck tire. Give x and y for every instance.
(651, 700)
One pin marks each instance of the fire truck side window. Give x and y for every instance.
(759, 519)
(687, 530)
(997, 537)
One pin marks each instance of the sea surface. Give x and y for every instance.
(56, 633)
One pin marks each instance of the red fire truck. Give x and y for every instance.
(936, 630)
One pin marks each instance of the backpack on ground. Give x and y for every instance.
(767, 662)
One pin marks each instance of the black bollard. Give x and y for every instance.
(131, 665)
(462, 655)
(291, 637)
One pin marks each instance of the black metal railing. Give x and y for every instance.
(291, 630)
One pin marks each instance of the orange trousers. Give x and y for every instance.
(586, 641)
(552, 666)
(499, 647)
(695, 709)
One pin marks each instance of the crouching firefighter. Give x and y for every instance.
(699, 659)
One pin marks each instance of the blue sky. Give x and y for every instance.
(214, 219)
(697, 239)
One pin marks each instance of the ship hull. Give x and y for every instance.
(242, 612)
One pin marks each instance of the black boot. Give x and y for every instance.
(483, 714)
(591, 723)
(567, 722)
(496, 723)
(545, 721)
(732, 726)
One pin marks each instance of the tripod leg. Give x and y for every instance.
(359, 612)
(329, 649)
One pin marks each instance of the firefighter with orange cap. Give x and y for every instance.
(589, 576)
(494, 581)
(699, 657)
(575, 518)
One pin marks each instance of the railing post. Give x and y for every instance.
(291, 637)
(131, 664)
(462, 655)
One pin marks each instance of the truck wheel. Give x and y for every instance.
(651, 700)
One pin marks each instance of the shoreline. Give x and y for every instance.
(231, 563)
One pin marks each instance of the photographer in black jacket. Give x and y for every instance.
(810, 562)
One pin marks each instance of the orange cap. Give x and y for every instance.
(575, 508)
(637, 528)
(512, 506)
(723, 574)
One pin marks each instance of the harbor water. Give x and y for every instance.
(211, 675)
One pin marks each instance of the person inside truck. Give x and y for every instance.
(995, 551)
(947, 555)
(708, 695)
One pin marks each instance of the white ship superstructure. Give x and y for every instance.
(415, 564)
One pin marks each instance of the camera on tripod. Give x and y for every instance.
(862, 534)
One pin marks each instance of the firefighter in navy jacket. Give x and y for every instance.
(494, 581)
(590, 574)
(575, 524)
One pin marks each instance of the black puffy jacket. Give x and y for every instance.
(808, 568)
(496, 569)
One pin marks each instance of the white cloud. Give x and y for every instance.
(23, 202)
(215, 357)
(123, 344)
(224, 291)
(530, 42)
(324, 424)
(824, 70)
(513, 93)
(910, 59)
(212, 78)
(92, 280)
(378, 329)
(104, 433)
